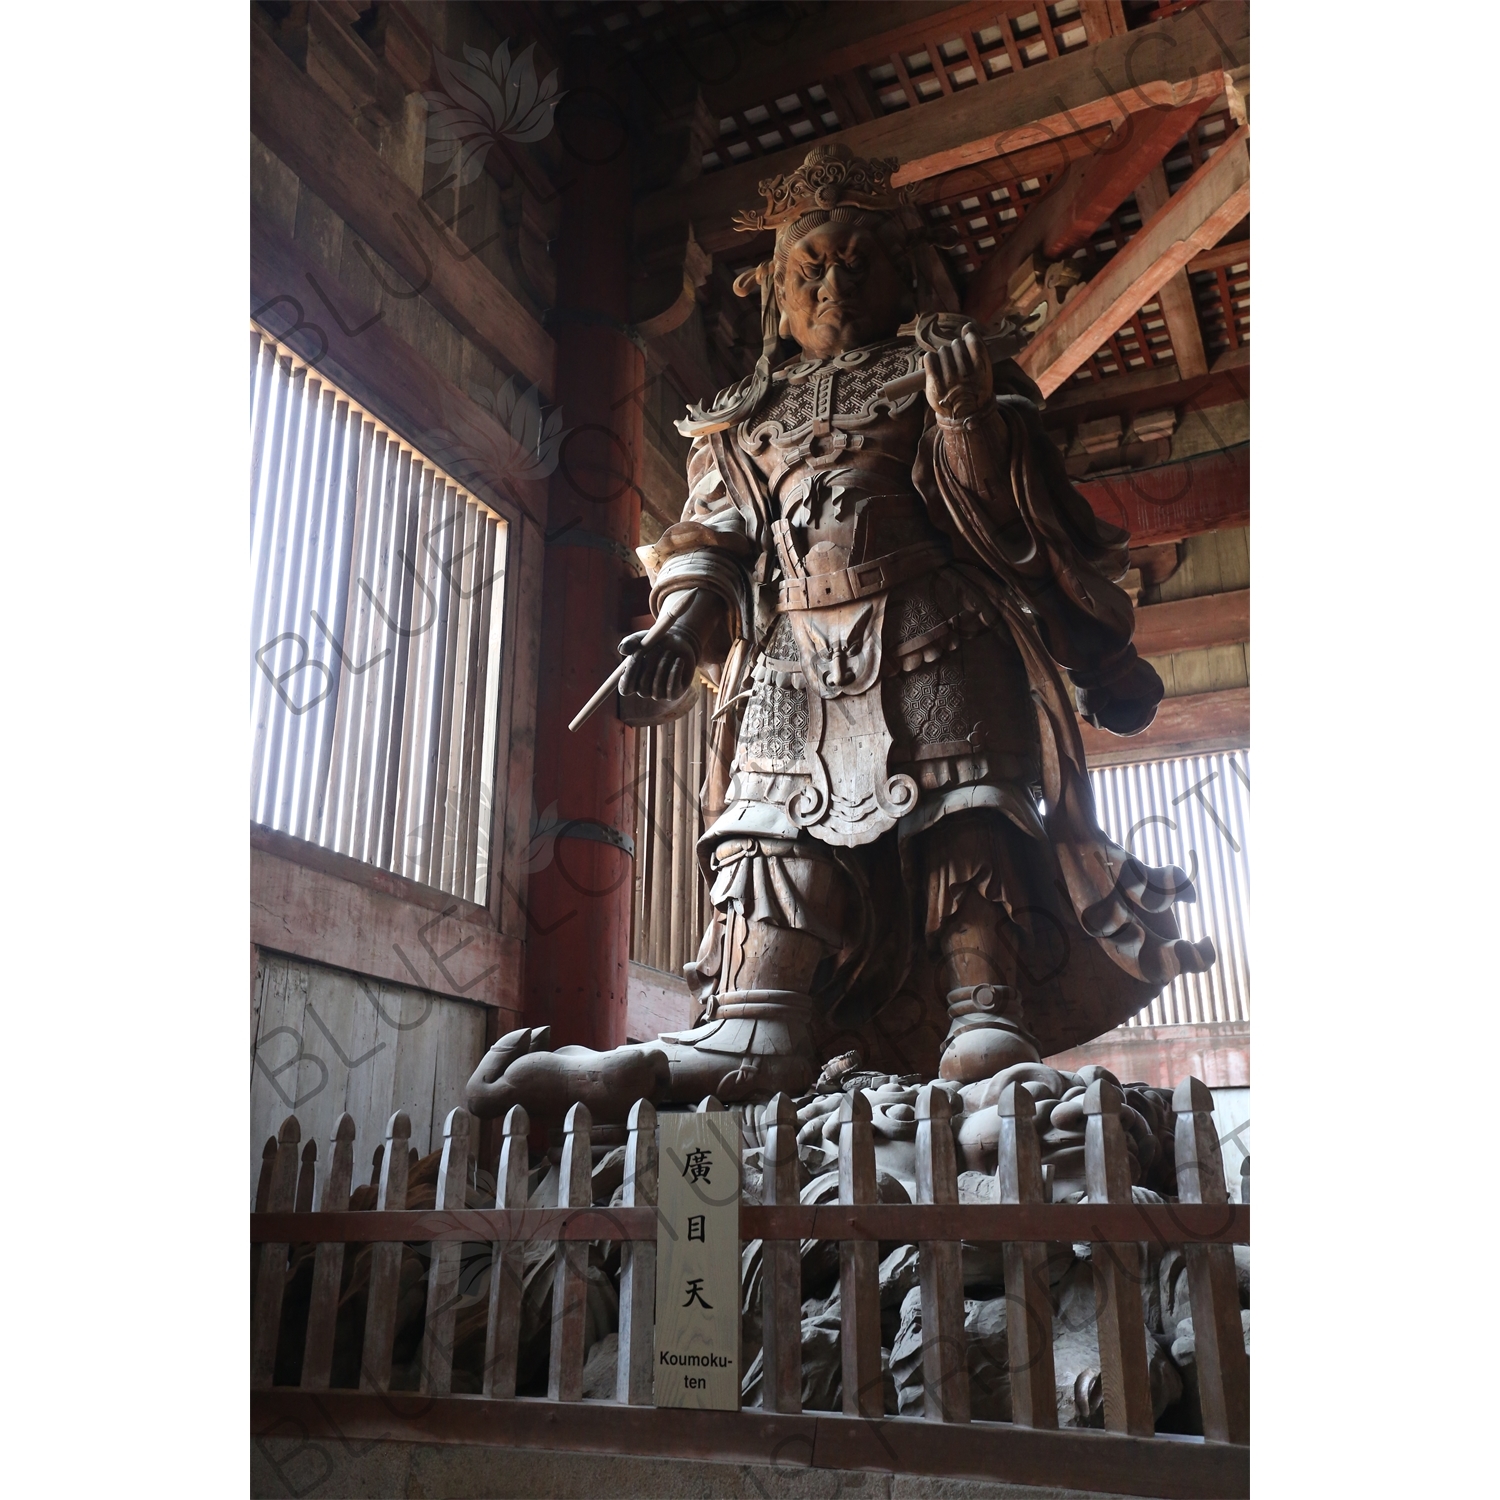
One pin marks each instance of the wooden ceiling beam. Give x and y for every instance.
(1221, 257)
(1017, 166)
(1208, 492)
(1170, 64)
(1176, 296)
(1209, 204)
(1193, 624)
(1132, 152)
(1125, 396)
(1193, 725)
(1081, 199)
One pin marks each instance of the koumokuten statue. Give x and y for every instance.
(885, 570)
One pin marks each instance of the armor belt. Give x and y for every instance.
(880, 574)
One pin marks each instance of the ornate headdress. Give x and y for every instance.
(829, 176)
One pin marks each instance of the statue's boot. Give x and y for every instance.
(751, 1044)
(521, 1068)
(985, 1033)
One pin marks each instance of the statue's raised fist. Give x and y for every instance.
(960, 378)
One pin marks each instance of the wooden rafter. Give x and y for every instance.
(1193, 624)
(1221, 257)
(1209, 204)
(1052, 104)
(1175, 295)
(1082, 199)
(1145, 390)
(1208, 492)
(1192, 725)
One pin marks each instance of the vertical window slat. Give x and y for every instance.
(376, 612)
(1138, 804)
(488, 770)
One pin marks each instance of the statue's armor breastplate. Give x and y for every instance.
(883, 676)
(837, 455)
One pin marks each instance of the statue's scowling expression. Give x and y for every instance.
(839, 288)
(881, 567)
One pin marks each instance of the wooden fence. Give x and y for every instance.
(1125, 1458)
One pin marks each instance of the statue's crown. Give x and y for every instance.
(829, 175)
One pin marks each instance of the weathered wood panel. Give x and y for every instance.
(355, 925)
(1190, 725)
(658, 1002)
(1193, 624)
(1213, 563)
(328, 1041)
(304, 127)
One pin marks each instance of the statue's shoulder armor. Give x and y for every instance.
(847, 391)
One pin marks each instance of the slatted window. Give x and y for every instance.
(377, 590)
(1192, 812)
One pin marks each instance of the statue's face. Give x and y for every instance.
(840, 290)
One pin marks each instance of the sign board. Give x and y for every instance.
(698, 1263)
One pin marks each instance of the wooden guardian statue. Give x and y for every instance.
(885, 567)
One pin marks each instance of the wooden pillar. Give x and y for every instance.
(578, 932)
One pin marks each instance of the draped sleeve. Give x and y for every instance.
(715, 546)
(996, 483)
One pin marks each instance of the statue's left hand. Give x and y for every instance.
(960, 378)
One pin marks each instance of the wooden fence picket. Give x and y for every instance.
(442, 1275)
(570, 1284)
(307, 1178)
(262, 1200)
(1123, 1370)
(859, 1267)
(270, 1280)
(263, 1182)
(1018, 1179)
(945, 1363)
(781, 1281)
(1223, 1369)
(633, 1376)
(385, 1261)
(328, 1264)
(507, 1262)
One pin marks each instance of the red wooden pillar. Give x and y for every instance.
(578, 932)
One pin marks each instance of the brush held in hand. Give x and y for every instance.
(610, 683)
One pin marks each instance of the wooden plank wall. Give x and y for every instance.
(671, 898)
(1214, 563)
(326, 1041)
